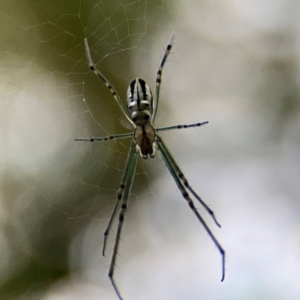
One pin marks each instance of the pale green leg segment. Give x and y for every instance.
(127, 179)
(178, 177)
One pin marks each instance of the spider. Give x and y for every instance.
(140, 113)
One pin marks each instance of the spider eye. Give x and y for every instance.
(134, 119)
(130, 107)
(146, 117)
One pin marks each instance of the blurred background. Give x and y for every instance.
(235, 64)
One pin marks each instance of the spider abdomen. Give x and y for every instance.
(139, 102)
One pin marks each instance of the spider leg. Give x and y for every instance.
(180, 126)
(106, 82)
(130, 159)
(126, 186)
(181, 183)
(159, 73)
(186, 183)
(105, 138)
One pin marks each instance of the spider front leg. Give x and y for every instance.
(123, 194)
(112, 90)
(181, 176)
(159, 74)
(181, 182)
(124, 180)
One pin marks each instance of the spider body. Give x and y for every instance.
(140, 113)
(140, 109)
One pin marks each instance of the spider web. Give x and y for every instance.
(236, 66)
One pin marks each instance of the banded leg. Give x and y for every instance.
(106, 82)
(105, 138)
(180, 126)
(179, 178)
(131, 168)
(159, 73)
(123, 183)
